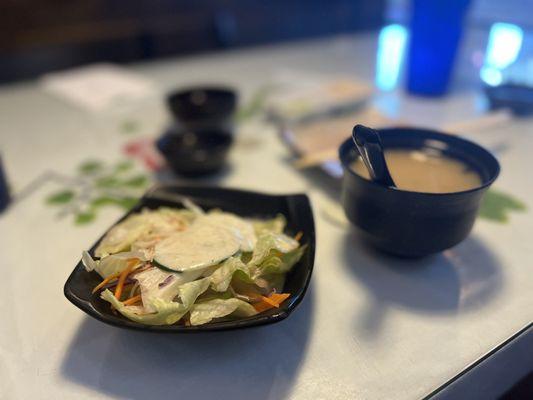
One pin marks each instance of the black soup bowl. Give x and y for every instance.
(415, 224)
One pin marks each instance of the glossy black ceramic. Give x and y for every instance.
(518, 98)
(195, 152)
(297, 210)
(211, 106)
(415, 224)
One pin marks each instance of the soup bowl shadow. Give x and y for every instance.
(460, 280)
(408, 223)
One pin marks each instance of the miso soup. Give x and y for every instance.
(421, 171)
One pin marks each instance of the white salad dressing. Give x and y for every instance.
(244, 230)
(196, 248)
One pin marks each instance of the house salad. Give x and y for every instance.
(167, 265)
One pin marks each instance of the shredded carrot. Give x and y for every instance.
(260, 307)
(106, 281)
(269, 301)
(274, 300)
(279, 297)
(298, 236)
(132, 300)
(123, 275)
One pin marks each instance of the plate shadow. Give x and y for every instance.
(257, 363)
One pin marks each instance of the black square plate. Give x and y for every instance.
(296, 209)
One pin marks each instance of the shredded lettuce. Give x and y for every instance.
(166, 312)
(280, 263)
(221, 278)
(189, 292)
(111, 264)
(122, 236)
(269, 242)
(274, 225)
(191, 206)
(88, 261)
(161, 312)
(259, 258)
(156, 283)
(271, 282)
(184, 213)
(274, 254)
(205, 312)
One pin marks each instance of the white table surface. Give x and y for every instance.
(369, 327)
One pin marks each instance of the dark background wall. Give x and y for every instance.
(39, 36)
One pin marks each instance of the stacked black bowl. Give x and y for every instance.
(198, 141)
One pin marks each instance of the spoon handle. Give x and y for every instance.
(370, 148)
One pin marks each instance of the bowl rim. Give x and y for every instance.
(230, 92)
(348, 146)
(254, 321)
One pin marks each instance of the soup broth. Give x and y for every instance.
(420, 171)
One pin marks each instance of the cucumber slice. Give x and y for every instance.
(241, 228)
(198, 247)
(163, 268)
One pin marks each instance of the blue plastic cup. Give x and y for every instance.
(436, 28)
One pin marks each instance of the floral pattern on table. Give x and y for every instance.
(497, 205)
(97, 184)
